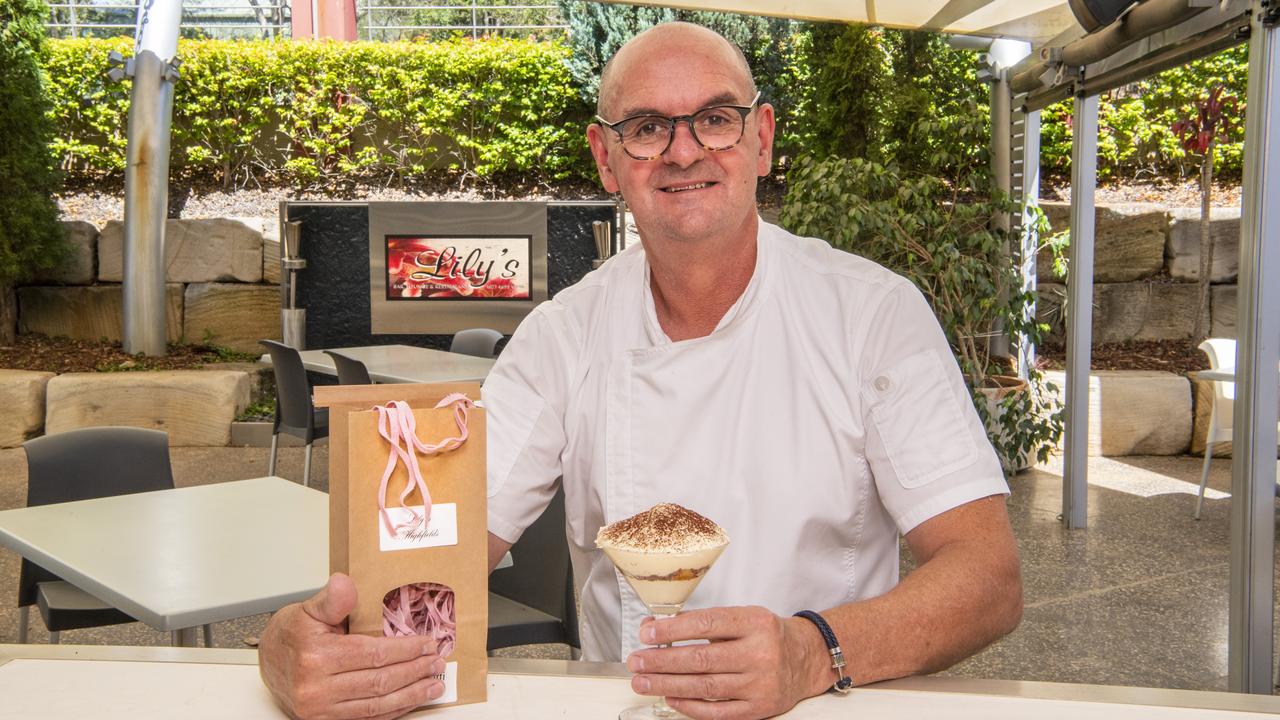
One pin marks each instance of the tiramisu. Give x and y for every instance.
(663, 552)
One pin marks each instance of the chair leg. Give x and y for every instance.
(208, 635)
(1204, 476)
(306, 467)
(271, 463)
(55, 637)
(24, 618)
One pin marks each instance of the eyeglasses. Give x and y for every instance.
(716, 128)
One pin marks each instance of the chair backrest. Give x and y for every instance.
(350, 370)
(90, 463)
(1221, 353)
(293, 392)
(479, 342)
(541, 576)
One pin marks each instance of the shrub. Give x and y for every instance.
(304, 111)
(30, 236)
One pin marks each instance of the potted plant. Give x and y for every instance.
(940, 235)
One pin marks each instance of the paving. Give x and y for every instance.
(1137, 598)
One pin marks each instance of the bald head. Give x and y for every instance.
(663, 41)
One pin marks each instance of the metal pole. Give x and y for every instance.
(1253, 465)
(1002, 55)
(146, 184)
(1030, 238)
(1084, 177)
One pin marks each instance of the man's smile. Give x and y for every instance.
(687, 186)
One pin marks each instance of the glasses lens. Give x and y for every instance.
(718, 128)
(646, 135)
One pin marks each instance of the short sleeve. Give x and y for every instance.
(524, 412)
(925, 444)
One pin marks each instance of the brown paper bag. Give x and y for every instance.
(452, 551)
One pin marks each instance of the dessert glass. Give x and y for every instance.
(663, 581)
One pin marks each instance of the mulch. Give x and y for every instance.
(1177, 356)
(62, 355)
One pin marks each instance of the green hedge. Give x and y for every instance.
(304, 111)
(1135, 139)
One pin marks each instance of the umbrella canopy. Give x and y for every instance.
(1037, 21)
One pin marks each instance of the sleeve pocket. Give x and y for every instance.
(920, 422)
(511, 411)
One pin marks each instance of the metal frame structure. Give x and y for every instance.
(1152, 36)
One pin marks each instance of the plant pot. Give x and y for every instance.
(995, 390)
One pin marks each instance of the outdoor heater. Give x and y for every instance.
(293, 319)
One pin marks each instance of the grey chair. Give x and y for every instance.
(480, 342)
(295, 415)
(81, 465)
(350, 370)
(533, 601)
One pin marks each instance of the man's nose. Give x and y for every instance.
(685, 148)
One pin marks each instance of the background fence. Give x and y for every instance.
(375, 19)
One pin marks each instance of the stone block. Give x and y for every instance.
(1136, 412)
(270, 252)
(87, 313)
(22, 397)
(1183, 251)
(1203, 392)
(1129, 243)
(231, 315)
(79, 267)
(1222, 310)
(195, 250)
(195, 407)
(1126, 311)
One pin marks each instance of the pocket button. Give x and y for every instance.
(882, 383)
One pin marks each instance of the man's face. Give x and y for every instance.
(687, 193)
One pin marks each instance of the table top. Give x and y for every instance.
(181, 558)
(403, 364)
(62, 681)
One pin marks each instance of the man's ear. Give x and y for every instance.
(600, 151)
(764, 133)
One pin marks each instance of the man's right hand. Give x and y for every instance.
(316, 671)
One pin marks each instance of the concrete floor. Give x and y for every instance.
(1138, 598)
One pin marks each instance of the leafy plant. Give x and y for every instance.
(942, 238)
(1200, 134)
(30, 236)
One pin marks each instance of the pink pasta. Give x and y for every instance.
(421, 609)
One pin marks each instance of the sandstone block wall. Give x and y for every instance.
(1146, 266)
(22, 395)
(228, 268)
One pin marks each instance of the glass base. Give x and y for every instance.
(654, 711)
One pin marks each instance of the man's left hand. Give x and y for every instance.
(757, 664)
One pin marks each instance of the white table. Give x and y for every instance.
(178, 559)
(402, 364)
(105, 683)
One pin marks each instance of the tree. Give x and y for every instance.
(1200, 134)
(30, 235)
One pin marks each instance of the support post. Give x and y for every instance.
(1253, 465)
(146, 176)
(1002, 55)
(1084, 177)
(1030, 238)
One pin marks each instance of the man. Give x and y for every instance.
(803, 398)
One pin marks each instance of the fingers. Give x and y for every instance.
(333, 603)
(360, 652)
(364, 684)
(716, 686)
(708, 624)
(688, 659)
(712, 709)
(392, 705)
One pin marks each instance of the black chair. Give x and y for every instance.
(81, 465)
(479, 342)
(533, 601)
(295, 415)
(350, 370)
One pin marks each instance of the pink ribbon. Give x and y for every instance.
(422, 609)
(397, 426)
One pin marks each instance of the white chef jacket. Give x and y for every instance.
(822, 417)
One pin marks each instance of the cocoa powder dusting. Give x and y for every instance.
(664, 527)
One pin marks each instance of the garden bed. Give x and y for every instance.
(64, 355)
(1176, 356)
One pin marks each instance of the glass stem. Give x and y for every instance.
(660, 708)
